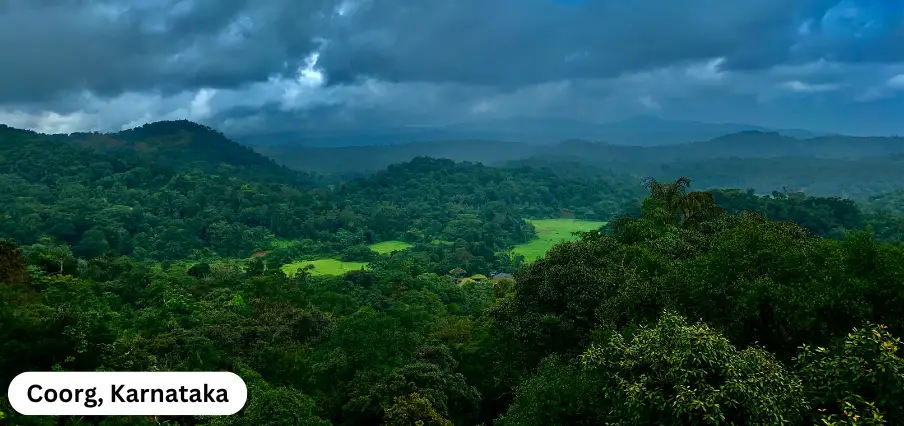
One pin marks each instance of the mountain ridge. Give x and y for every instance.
(745, 144)
(636, 131)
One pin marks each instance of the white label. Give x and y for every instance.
(127, 393)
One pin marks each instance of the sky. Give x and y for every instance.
(248, 67)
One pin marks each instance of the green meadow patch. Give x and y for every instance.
(387, 247)
(324, 267)
(551, 232)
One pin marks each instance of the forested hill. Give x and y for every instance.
(182, 145)
(748, 144)
(848, 178)
(892, 200)
(532, 192)
(148, 197)
(122, 203)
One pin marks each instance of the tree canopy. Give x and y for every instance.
(693, 307)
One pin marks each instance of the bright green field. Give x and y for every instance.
(387, 247)
(551, 232)
(324, 267)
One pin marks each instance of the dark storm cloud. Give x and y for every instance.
(861, 32)
(518, 42)
(104, 64)
(515, 42)
(108, 47)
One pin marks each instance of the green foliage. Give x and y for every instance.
(673, 373)
(185, 145)
(413, 409)
(671, 203)
(758, 281)
(823, 216)
(272, 406)
(859, 381)
(130, 194)
(13, 269)
(125, 257)
(200, 270)
(357, 253)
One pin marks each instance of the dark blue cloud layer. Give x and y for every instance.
(498, 49)
(512, 43)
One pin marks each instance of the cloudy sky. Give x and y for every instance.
(246, 66)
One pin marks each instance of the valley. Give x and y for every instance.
(430, 290)
(549, 233)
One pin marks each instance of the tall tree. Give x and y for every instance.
(672, 202)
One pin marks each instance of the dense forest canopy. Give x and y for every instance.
(692, 306)
(115, 203)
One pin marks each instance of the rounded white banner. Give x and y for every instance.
(127, 393)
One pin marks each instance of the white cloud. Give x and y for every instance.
(200, 106)
(648, 102)
(806, 28)
(299, 91)
(885, 90)
(346, 8)
(802, 87)
(896, 82)
(481, 107)
(707, 71)
(47, 121)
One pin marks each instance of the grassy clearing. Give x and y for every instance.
(551, 232)
(387, 247)
(324, 267)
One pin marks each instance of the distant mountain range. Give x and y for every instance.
(637, 131)
(745, 144)
(761, 160)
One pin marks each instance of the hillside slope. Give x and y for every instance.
(184, 145)
(122, 203)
